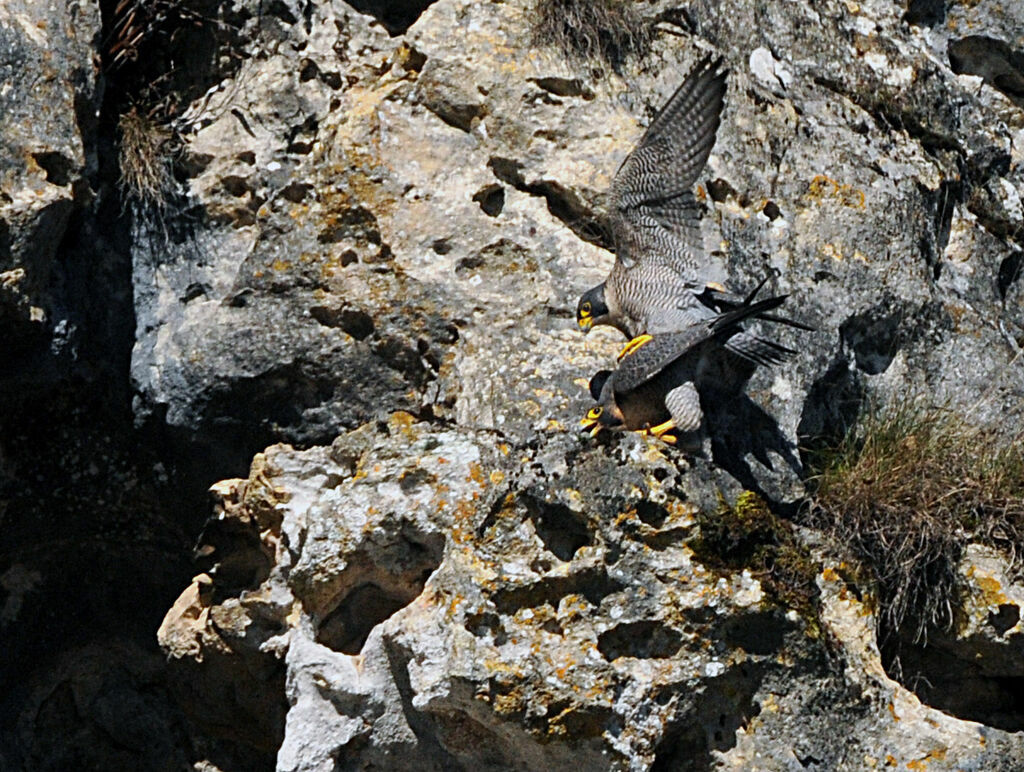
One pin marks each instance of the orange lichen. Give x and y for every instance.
(823, 186)
(892, 709)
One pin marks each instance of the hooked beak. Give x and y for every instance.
(591, 424)
(585, 324)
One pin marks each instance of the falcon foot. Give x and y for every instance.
(634, 344)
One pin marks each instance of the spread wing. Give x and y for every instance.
(653, 207)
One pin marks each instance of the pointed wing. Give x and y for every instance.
(653, 357)
(653, 208)
(662, 350)
(758, 350)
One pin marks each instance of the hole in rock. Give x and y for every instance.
(396, 15)
(760, 633)
(1005, 617)
(491, 199)
(643, 640)
(484, 625)
(56, 166)
(720, 190)
(562, 530)
(563, 204)
(296, 192)
(235, 186)
(592, 583)
(926, 13)
(1009, 272)
(347, 627)
(653, 514)
(565, 87)
(972, 679)
(995, 60)
(725, 704)
(358, 324)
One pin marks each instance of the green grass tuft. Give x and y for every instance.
(749, 535)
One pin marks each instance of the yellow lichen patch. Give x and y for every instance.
(497, 477)
(823, 187)
(892, 709)
(401, 420)
(507, 704)
(922, 763)
(991, 589)
(835, 252)
(476, 474)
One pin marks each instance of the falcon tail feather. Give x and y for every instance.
(759, 350)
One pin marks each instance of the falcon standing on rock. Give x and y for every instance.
(660, 378)
(655, 221)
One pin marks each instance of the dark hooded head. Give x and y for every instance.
(605, 414)
(592, 308)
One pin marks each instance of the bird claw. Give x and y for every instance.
(660, 429)
(634, 344)
(662, 432)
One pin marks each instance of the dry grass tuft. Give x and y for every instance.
(604, 32)
(907, 490)
(146, 156)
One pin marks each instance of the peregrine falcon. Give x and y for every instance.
(660, 378)
(655, 221)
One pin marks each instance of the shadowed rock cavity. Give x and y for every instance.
(927, 13)
(1001, 65)
(396, 15)
(963, 679)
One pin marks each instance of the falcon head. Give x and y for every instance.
(591, 308)
(605, 414)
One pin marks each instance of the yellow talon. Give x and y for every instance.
(671, 439)
(634, 344)
(660, 429)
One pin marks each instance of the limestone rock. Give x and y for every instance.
(382, 216)
(48, 113)
(449, 602)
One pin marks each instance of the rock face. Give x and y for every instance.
(445, 601)
(49, 105)
(378, 233)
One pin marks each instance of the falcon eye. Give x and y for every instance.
(585, 309)
(595, 412)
